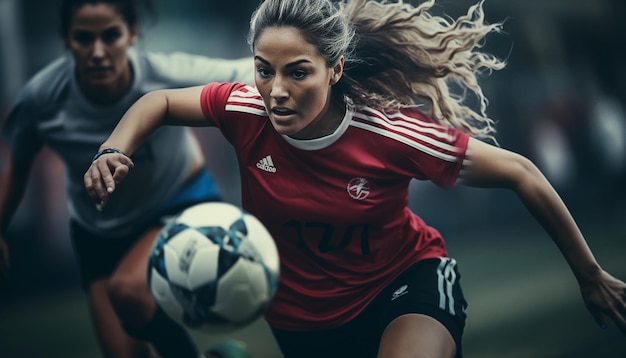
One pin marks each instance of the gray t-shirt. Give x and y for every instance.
(50, 110)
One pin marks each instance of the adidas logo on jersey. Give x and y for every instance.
(266, 164)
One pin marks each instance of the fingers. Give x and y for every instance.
(617, 306)
(111, 169)
(620, 315)
(94, 182)
(103, 175)
(598, 316)
(607, 301)
(100, 205)
(120, 172)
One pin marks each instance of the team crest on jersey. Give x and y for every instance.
(358, 188)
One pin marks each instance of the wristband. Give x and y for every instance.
(107, 151)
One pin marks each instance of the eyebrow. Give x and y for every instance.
(290, 64)
(110, 28)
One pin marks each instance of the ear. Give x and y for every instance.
(337, 71)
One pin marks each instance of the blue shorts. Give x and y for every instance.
(430, 287)
(99, 255)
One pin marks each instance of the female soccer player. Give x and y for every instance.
(72, 105)
(352, 102)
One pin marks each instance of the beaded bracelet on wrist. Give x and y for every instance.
(107, 151)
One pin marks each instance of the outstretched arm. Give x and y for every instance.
(153, 110)
(493, 167)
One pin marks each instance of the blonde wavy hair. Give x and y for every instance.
(397, 55)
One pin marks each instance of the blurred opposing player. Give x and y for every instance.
(71, 106)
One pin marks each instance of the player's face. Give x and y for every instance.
(295, 83)
(98, 39)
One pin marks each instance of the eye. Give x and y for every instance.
(83, 37)
(111, 35)
(263, 72)
(298, 74)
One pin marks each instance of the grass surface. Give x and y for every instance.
(523, 303)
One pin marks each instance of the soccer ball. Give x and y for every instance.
(213, 268)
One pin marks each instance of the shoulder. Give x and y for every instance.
(234, 97)
(412, 128)
(233, 93)
(395, 117)
(245, 98)
(406, 120)
(49, 86)
(236, 109)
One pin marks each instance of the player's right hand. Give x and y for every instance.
(4, 259)
(104, 173)
(605, 298)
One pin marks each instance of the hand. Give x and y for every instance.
(4, 259)
(605, 298)
(103, 175)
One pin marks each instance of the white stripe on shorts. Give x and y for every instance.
(446, 277)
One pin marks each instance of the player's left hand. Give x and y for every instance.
(605, 297)
(104, 174)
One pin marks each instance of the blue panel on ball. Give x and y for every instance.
(214, 233)
(197, 304)
(226, 259)
(172, 230)
(239, 226)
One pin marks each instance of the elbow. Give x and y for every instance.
(525, 175)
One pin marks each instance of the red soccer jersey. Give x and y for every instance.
(336, 206)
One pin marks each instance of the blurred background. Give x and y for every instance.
(560, 101)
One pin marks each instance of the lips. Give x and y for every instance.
(99, 72)
(282, 111)
(282, 115)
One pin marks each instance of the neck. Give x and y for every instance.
(328, 121)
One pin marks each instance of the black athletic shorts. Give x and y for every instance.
(99, 255)
(429, 287)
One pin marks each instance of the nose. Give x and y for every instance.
(98, 50)
(279, 89)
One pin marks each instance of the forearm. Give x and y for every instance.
(544, 203)
(494, 167)
(163, 107)
(143, 118)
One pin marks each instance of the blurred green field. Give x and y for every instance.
(524, 303)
